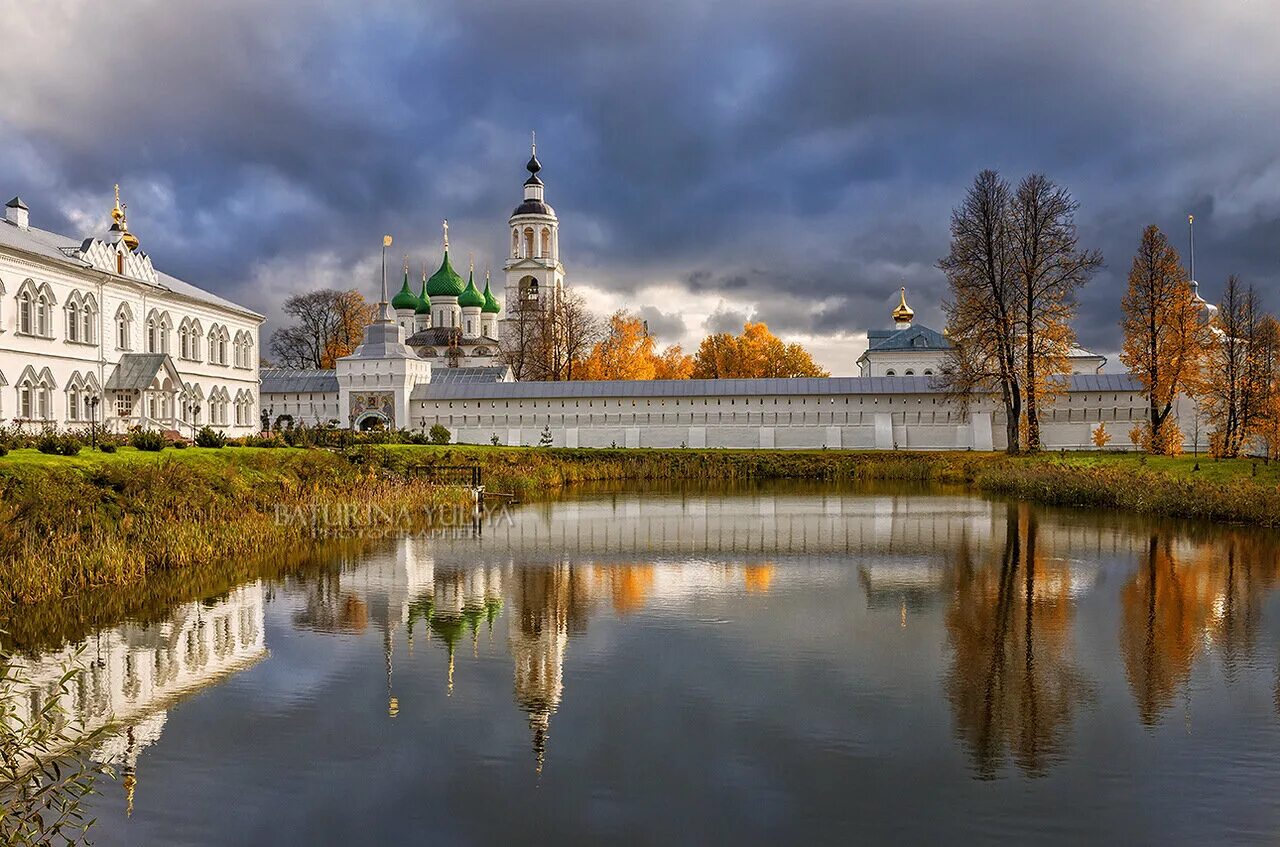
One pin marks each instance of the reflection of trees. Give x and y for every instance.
(1162, 615)
(1176, 604)
(329, 608)
(1013, 684)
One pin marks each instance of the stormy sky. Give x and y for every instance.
(710, 161)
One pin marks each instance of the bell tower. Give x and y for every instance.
(535, 277)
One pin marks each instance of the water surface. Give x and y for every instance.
(767, 666)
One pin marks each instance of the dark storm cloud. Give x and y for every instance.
(799, 160)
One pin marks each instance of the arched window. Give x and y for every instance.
(73, 401)
(35, 394)
(73, 317)
(515, 244)
(528, 242)
(89, 319)
(928, 371)
(546, 242)
(44, 304)
(890, 372)
(153, 335)
(197, 335)
(184, 340)
(124, 327)
(165, 326)
(26, 313)
(908, 372)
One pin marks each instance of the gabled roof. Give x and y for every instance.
(136, 371)
(915, 337)
(65, 251)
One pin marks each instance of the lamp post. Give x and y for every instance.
(93, 421)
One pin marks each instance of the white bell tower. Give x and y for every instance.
(535, 277)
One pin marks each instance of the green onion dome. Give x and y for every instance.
(424, 302)
(471, 296)
(444, 282)
(405, 298)
(490, 306)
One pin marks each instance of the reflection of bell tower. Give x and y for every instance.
(535, 277)
(538, 637)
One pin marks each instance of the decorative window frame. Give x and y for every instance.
(126, 314)
(39, 302)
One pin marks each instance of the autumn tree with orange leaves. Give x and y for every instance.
(1165, 338)
(628, 351)
(754, 354)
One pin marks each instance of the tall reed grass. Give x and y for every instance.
(66, 529)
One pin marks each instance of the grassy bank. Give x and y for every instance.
(73, 523)
(1238, 490)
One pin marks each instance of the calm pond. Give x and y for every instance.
(769, 665)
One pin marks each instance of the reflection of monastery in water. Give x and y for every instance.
(130, 674)
(547, 569)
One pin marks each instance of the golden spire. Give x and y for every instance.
(903, 314)
(117, 214)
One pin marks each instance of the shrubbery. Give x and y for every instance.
(440, 434)
(107, 446)
(56, 444)
(210, 437)
(147, 439)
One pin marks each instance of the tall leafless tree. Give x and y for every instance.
(327, 324)
(1050, 268)
(982, 309)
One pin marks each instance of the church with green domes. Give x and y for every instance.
(448, 321)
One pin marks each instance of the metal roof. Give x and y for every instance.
(136, 371)
(439, 336)
(823, 386)
(914, 337)
(462, 376)
(64, 250)
(1105, 382)
(287, 381)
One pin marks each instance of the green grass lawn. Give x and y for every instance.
(88, 457)
(1210, 470)
(1223, 470)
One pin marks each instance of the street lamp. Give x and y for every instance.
(93, 421)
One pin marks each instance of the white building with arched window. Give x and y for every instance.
(91, 332)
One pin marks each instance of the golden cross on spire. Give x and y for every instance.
(117, 213)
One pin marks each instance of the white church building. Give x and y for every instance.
(92, 333)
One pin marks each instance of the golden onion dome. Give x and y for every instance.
(120, 222)
(903, 313)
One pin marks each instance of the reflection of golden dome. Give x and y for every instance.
(130, 782)
(903, 313)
